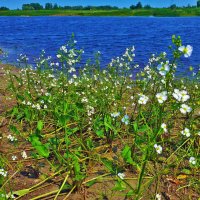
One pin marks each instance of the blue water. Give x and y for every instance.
(110, 35)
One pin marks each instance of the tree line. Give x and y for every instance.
(50, 6)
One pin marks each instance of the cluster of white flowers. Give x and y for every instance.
(84, 100)
(64, 49)
(181, 95)
(115, 114)
(22, 58)
(36, 106)
(7, 196)
(11, 138)
(71, 70)
(3, 172)
(162, 97)
(54, 64)
(186, 132)
(143, 99)
(90, 110)
(158, 148)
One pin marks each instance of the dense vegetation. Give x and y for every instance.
(120, 12)
(134, 130)
(36, 9)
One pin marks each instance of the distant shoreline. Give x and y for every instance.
(153, 12)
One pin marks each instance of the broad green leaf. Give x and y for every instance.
(126, 154)
(108, 164)
(42, 149)
(40, 125)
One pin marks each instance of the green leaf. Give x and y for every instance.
(27, 114)
(126, 154)
(100, 133)
(42, 149)
(76, 167)
(119, 186)
(14, 129)
(130, 193)
(186, 171)
(21, 192)
(66, 187)
(91, 183)
(135, 126)
(40, 125)
(108, 164)
(143, 129)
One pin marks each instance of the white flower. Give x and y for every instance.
(58, 56)
(164, 127)
(187, 50)
(192, 160)
(184, 95)
(14, 157)
(143, 99)
(24, 155)
(163, 69)
(121, 175)
(185, 109)
(158, 196)
(186, 132)
(125, 119)
(158, 148)
(115, 114)
(162, 96)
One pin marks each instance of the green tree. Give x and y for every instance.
(32, 6)
(36, 6)
(173, 6)
(3, 8)
(198, 3)
(55, 6)
(27, 7)
(138, 5)
(147, 7)
(132, 7)
(48, 6)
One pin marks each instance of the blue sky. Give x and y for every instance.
(120, 3)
